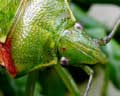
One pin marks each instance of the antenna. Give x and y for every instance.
(106, 40)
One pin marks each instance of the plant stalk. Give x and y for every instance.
(30, 85)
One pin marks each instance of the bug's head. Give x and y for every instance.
(78, 47)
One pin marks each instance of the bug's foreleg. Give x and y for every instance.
(105, 40)
(90, 72)
(68, 80)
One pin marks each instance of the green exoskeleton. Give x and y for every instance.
(45, 33)
(7, 12)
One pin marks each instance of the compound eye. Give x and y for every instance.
(67, 32)
(78, 26)
(64, 61)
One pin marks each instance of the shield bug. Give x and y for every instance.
(45, 31)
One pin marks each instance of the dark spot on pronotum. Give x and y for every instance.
(64, 61)
(78, 26)
(63, 49)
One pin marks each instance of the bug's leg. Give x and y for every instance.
(90, 72)
(68, 80)
(105, 40)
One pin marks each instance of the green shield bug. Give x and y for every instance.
(45, 33)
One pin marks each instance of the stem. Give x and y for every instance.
(68, 80)
(30, 86)
(105, 83)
